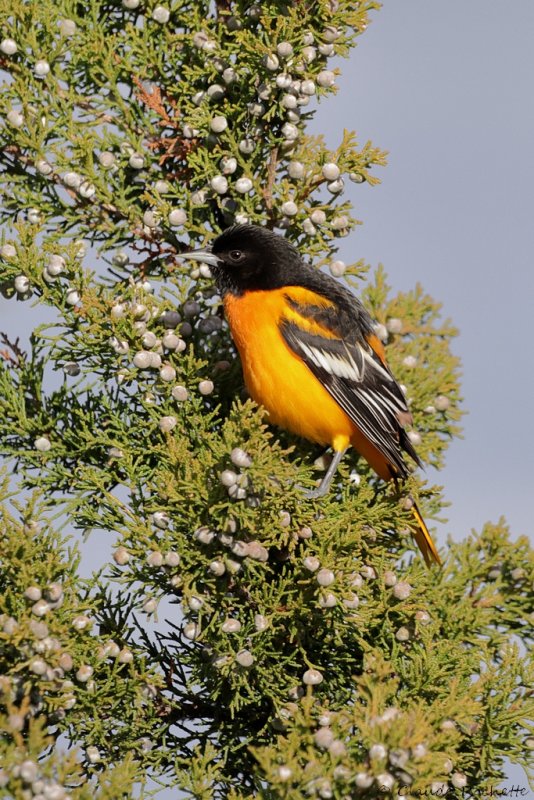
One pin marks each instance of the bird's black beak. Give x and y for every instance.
(205, 256)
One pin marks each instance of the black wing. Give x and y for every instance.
(362, 385)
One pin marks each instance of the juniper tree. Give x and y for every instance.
(240, 640)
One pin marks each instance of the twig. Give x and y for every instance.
(13, 353)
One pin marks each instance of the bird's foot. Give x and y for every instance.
(324, 486)
(314, 494)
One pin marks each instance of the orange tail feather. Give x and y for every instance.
(424, 539)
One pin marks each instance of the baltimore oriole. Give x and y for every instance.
(310, 355)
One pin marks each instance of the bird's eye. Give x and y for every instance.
(236, 255)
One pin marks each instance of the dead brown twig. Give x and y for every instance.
(13, 352)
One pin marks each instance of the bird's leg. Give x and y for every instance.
(324, 486)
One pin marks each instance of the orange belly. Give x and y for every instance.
(280, 381)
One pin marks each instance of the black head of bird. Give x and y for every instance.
(248, 257)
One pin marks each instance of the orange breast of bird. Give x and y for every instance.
(279, 380)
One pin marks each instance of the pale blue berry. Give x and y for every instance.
(218, 124)
(161, 14)
(8, 47)
(326, 78)
(244, 658)
(312, 677)
(243, 185)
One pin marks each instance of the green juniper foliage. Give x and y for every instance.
(239, 641)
